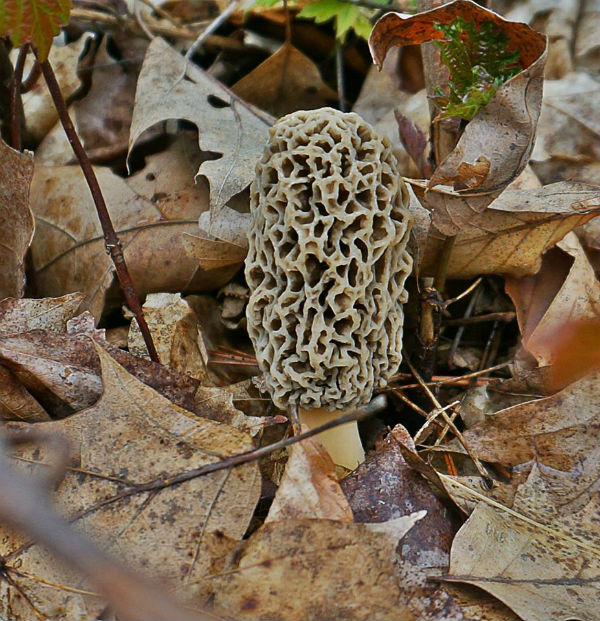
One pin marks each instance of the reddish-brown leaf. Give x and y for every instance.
(33, 21)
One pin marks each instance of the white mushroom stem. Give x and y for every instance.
(342, 443)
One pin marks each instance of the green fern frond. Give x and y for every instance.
(479, 62)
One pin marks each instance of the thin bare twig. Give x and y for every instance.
(466, 292)
(361, 413)
(466, 321)
(112, 242)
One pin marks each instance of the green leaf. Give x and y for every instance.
(33, 21)
(347, 17)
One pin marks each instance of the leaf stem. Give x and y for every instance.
(111, 239)
(16, 118)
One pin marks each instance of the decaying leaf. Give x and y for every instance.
(287, 81)
(559, 431)
(511, 236)
(16, 403)
(565, 289)
(151, 211)
(508, 121)
(226, 125)
(384, 488)
(16, 220)
(312, 569)
(131, 436)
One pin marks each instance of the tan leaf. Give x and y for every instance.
(309, 487)
(511, 236)
(174, 328)
(151, 212)
(226, 125)
(538, 557)
(313, 569)
(508, 121)
(132, 436)
(567, 146)
(16, 221)
(39, 111)
(565, 289)
(44, 314)
(559, 431)
(16, 403)
(287, 81)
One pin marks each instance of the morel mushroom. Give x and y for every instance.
(326, 268)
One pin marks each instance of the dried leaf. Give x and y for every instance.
(384, 487)
(309, 487)
(38, 108)
(565, 289)
(16, 403)
(511, 236)
(287, 81)
(313, 569)
(540, 556)
(132, 435)
(225, 124)
(174, 328)
(44, 314)
(564, 148)
(33, 21)
(16, 221)
(508, 121)
(559, 431)
(68, 251)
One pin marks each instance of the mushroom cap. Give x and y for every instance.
(327, 261)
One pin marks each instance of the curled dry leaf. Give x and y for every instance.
(226, 125)
(309, 487)
(151, 211)
(312, 569)
(16, 221)
(132, 436)
(287, 81)
(508, 121)
(511, 236)
(16, 403)
(564, 289)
